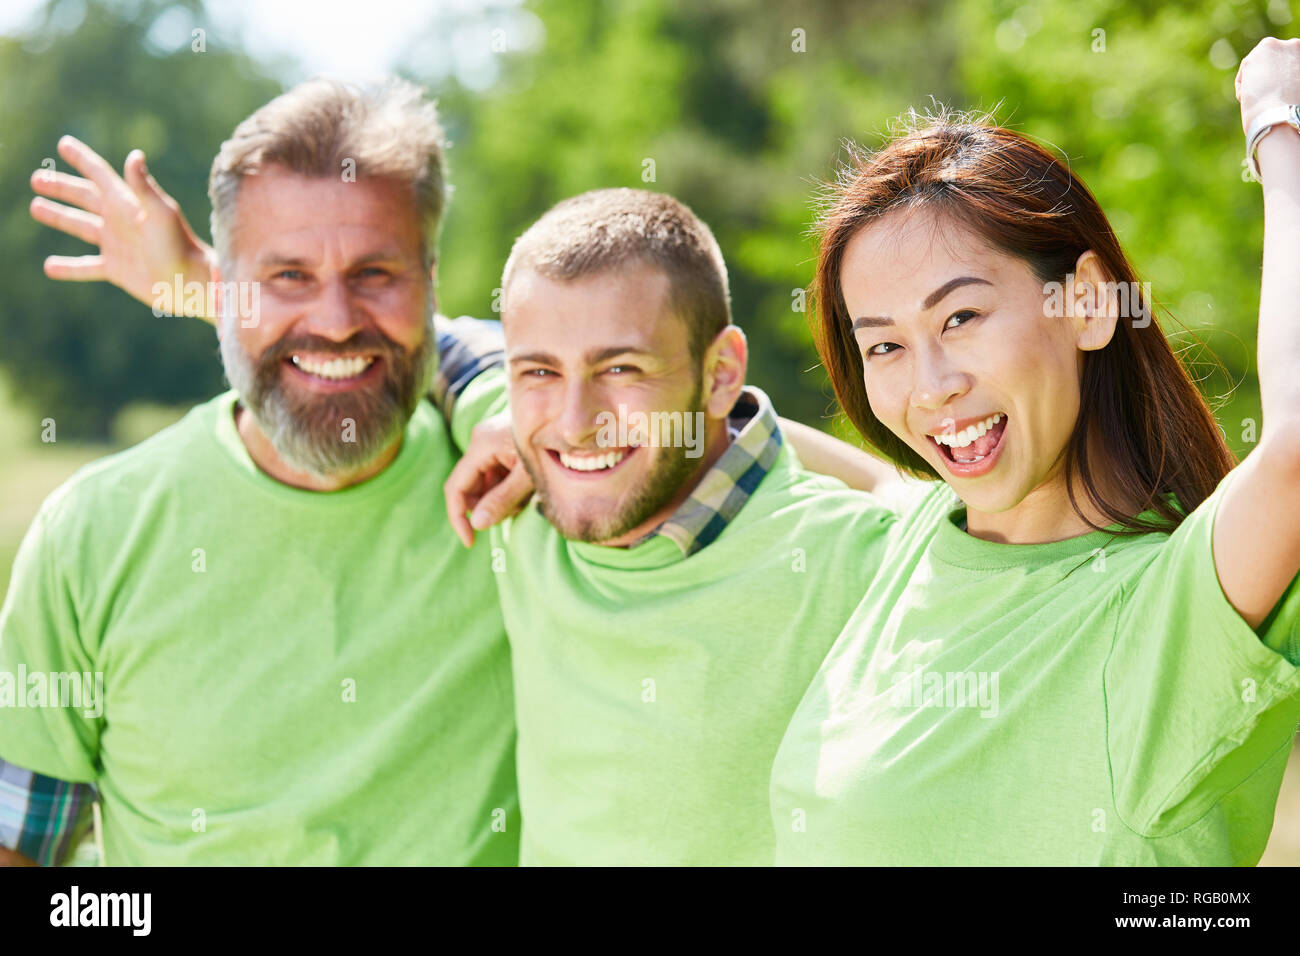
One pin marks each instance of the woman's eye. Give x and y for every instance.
(884, 348)
(965, 314)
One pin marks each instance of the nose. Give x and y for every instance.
(938, 382)
(333, 315)
(577, 421)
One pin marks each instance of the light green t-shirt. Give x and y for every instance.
(652, 688)
(290, 677)
(1089, 701)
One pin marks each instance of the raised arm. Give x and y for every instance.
(827, 455)
(1257, 529)
(141, 235)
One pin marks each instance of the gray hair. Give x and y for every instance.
(327, 128)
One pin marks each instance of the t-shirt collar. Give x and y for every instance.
(725, 488)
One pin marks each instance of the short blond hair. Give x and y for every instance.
(326, 128)
(606, 229)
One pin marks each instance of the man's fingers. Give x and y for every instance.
(142, 182)
(85, 226)
(460, 524)
(94, 167)
(134, 173)
(70, 189)
(506, 498)
(460, 492)
(75, 268)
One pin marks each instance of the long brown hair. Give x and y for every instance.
(1136, 398)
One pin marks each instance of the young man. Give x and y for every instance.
(283, 656)
(681, 575)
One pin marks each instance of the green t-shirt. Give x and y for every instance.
(1089, 701)
(290, 677)
(652, 688)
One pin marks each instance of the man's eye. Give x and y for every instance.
(965, 314)
(371, 271)
(536, 373)
(621, 369)
(291, 274)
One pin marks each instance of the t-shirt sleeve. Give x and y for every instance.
(482, 398)
(1196, 701)
(46, 726)
(467, 348)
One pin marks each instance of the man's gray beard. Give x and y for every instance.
(309, 436)
(663, 484)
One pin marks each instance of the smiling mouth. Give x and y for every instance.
(591, 464)
(339, 369)
(973, 444)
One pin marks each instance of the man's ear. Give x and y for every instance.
(1095, 303)
(725, 361)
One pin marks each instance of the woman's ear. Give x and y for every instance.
(724, 371)
(1095, 303)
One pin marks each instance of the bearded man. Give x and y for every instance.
(299, 663)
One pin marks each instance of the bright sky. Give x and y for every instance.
(353, 39)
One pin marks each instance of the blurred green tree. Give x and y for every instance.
(742, 108)
(79, 352)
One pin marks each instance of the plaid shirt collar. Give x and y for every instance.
(725, 488)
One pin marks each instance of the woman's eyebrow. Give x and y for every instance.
(935, 297)
(931, 300)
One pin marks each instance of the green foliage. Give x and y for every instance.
(1146, 112)
(737, 107)
(742, 126)
(79, 352)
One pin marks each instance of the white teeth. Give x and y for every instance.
(592, 462)
(963, 438)
(337, 368)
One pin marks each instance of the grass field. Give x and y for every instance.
(30, 470)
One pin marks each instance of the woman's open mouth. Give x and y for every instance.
(974, 450)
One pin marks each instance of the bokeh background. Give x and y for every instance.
(737, 107)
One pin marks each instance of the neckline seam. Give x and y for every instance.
(237, 458)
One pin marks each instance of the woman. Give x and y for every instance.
(1083, 647)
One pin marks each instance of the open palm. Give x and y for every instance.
(141, 234)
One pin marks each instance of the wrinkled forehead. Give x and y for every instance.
(280, 213)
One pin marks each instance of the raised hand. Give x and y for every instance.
(1268, 76)
(141, 234)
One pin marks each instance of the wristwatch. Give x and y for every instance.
(1263, 125)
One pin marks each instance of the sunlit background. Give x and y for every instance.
(737, 107)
